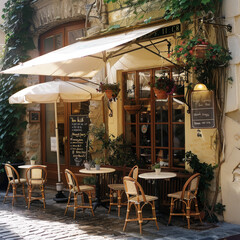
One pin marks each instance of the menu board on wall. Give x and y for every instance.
(79, 126)
(202, 109)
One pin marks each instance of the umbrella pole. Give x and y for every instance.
(60, 197)
(57, 142)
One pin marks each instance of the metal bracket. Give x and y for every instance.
(228, 26)
(111, 111)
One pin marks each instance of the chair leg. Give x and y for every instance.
(8, 187)
(75, 205)
(90, 201)
(127, 216)
(171, 211)
(111, 200)
(119, 202)
(140, 217)
(188, 212)
(197, 210)
(24, 194)
(68, 203)
(14, 193)
(29, 195)
(43, 196)
(82, 199)
(154, 214)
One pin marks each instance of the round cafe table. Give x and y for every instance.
(102, 170)
(28, 166)
(156, 177)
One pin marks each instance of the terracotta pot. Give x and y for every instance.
(200, 51)
(109, 93)
(132, 109)
(160, 94)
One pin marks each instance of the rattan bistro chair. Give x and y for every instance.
(137, 197)
(119, 189)
(186, 196)
(14, 180)
(78, 190)
(36, 176)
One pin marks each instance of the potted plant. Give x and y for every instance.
(33, 160)
(163, 86)
(157, 168)
(98, 162)
(110, 89)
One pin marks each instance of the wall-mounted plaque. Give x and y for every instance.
(34, 116)
(202, 109)
(79, 126)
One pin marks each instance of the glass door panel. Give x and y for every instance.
(131, 134)
(145, 134)
(161, 135)
(130, 85)
(144, 87)
(178, 158)
(162, 155)
(161, 110)
(145, 155)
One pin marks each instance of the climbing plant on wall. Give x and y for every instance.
(17, 16)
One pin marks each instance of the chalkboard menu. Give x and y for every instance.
(79, 125)
(202, 109)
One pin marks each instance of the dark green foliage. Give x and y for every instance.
(119, 153)
(206, 171)
(17, 16)
(207, 175)
(185, 9)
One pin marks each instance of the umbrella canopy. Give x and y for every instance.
(56, 91)
(53, 92)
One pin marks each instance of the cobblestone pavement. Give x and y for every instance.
(20, 223)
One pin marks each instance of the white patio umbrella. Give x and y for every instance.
(54, 92)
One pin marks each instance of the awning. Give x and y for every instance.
(81, 59)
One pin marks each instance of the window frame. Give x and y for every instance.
(153, 122)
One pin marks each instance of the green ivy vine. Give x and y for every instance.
(17, 16)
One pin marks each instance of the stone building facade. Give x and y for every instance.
(97, 16)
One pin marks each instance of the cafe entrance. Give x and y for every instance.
(52, 40)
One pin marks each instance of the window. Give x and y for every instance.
(157, 131)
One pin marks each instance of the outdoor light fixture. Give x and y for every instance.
(200, 87)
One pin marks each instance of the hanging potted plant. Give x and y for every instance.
(110, 89)
(163, 86)
(195, 51)
(132, 108)
(202, 56)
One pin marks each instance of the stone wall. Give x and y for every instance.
(49, 14)
(52, 13)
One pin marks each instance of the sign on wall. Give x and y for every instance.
(202, 110)
(79, 126)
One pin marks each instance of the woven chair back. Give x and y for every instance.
(11, 172)
(71, 179)
(191, 185)
(36, 175)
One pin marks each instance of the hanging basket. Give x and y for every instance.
(109, 93)
(132, 109)
(160, 94)
(200, 51)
